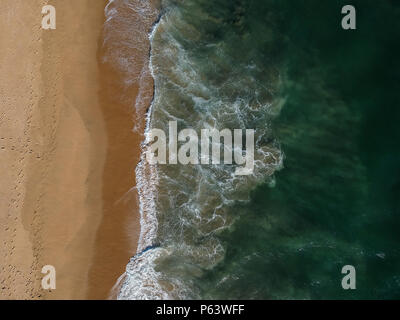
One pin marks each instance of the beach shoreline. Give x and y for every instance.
(68, 154)
(126, 92)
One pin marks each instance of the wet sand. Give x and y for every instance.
(125, 116)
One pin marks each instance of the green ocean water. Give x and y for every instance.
(336, 202)
(324, 103)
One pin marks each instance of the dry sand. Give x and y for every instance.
(67, 155)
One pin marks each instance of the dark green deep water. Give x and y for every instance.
(337, 199)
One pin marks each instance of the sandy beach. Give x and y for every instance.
(67, 155)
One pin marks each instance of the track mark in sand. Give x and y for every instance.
(25, 152)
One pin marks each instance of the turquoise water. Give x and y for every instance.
(325, 106)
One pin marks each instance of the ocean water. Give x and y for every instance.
(324, 104)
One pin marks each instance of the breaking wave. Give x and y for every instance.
(184, 208)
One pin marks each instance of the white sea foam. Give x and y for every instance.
(141, 281)
(186, 207)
